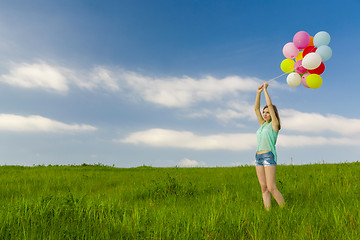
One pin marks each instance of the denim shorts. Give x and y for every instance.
(265, 159)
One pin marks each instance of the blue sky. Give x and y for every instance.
(170, 83)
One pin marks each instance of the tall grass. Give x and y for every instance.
(99, 202)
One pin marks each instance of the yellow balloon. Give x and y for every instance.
(299, 56)
(314, 81)
(287, 65)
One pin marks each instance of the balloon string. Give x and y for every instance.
(277, 77)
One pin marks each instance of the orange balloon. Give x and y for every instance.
(311, 43)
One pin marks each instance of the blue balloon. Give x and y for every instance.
(325, 52)
(321, 38)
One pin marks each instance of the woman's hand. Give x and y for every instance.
(260, 88)
(266, 84)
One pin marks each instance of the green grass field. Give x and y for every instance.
(99, 202)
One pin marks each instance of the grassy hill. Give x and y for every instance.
(100, 202)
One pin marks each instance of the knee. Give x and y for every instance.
(264, 188)
(272, 188)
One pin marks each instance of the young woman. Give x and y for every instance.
(266, 157)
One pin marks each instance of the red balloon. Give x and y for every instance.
(318, 70)
(308, 50)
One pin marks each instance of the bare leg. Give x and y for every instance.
(270, 173)
(260, 171)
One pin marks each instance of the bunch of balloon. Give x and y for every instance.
(309, 53)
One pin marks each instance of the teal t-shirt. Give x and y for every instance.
(266, 139)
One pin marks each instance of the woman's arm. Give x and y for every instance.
(257, 105)
(274, 120)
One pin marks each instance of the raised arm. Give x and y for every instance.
(257, 105)
(274, 119)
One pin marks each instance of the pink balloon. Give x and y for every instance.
(301, 39)
(299, 68)
(290, 51)
(303, 80)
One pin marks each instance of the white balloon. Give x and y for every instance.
(311, 61)
(293, 79)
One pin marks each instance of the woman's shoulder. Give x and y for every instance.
(272, 127)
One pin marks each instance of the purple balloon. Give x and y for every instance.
(301, 39)
(290, 51)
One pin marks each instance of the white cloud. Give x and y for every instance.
(245, 109)
(98, 78)
(304, 141)
(185, 139)
(236, 110)
(41, 75)
(105, 78)
(291, 120)
(230, 114)
(37, 76)
(223, 115)
(167, 91)
(182, 92)
(35, 123)
(190, 163)
(316, 123)
(233, 142)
